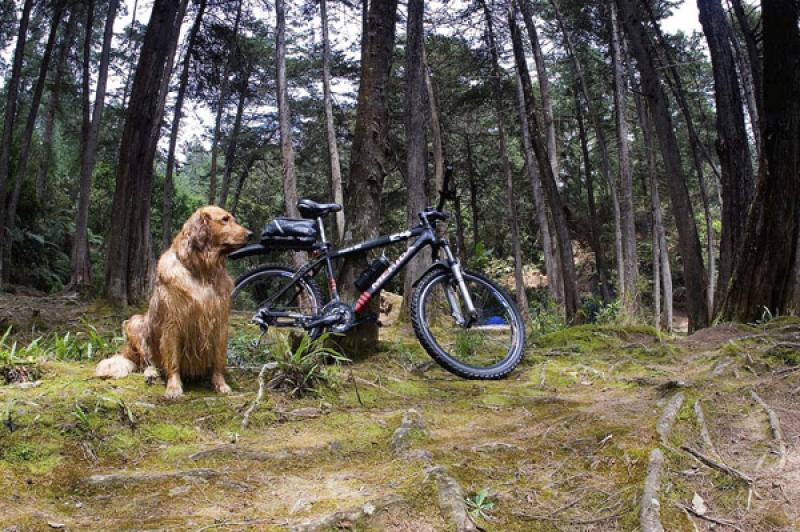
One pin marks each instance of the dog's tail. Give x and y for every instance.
(134, 354)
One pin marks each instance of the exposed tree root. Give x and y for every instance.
(667, 419)
(259, 396)
(649, 514)
(412, 420)
(349, 516)
(777, 433)
(451, 500)
(711, 519)
(542, 375)
(717, 465)
(122, 478)
(701, 420)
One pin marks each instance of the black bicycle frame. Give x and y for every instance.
(424, 234)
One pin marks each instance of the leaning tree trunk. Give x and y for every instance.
(12, 90)
(80, 265)
(132, 62)
(583, 84)
(732, 145)
(330, 128)
(53, 105)
(416, 143)
(502, 120)
(473, 194)
(368, 158)
(552, 197)
(756, 67)
(544, 85)
(130, 254)
(223, 100)
(764, 273)
(21, 170)
(688, 240)
(630, 300)
(183, 83)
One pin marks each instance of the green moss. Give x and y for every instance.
(169, 433)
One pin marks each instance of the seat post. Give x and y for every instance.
(322, 230)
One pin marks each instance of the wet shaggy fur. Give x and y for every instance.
(185, 331)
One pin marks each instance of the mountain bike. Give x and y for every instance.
(466, 322)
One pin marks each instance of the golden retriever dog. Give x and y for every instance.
(185, 331)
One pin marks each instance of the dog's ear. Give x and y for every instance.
(198, 232)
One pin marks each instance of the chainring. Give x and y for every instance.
(345, 317)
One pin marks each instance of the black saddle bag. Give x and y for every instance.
(290, 233)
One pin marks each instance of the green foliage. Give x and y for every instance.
(595, 311)
(88, 344)
(546, 316)
(480, 504)
(307, 367)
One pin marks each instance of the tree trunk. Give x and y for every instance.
(416, 143)
(80, 265)
(689, 242)
(130, 254)
(284, 114)
(223, 100)
(756, 66)
(560, 231)
(368, 158)
(748, 89)
(330, 128)
(502, 119)
(12, 90)
(53, 105)
(233, 141)
(600, 135)
(473, 195)
(129, 77)
(594, 237)
(544, 86)
(437, 138)
(732, 145)
(764, 273)
(630, 301)
(21, 170)
(169, 187)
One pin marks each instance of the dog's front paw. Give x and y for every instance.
(173, 392)
(219, 384)
(151, 374)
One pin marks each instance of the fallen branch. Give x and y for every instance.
(542, 375)
(717, 465)
(775, 425)
(710, 519)
(649, 514)
(451, 500)
(121, 478)
(667, 419)
(378, 386)
(259, 396)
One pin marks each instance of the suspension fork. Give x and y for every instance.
(455, 267)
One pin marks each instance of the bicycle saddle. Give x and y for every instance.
(312, 209)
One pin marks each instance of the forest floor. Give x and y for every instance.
(570, 441)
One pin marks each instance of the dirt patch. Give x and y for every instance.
(712, 338)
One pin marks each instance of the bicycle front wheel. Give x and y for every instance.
(488, 348)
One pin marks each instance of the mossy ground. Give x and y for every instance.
(578, 419)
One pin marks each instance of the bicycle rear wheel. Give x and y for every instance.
(255, 290)
(489, 348)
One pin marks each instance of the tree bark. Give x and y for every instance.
(764, 274)
(183, 83)
(130, 254)
(79, 258)
(473, 194)
(129, 77)
(748, 89)
(233, 141)
(223, 100)
(12, 91)
(416, 142)
(602, 143)
(630, 300)
(732, 145)
(689, 242)
(337, 190)
(756, 67)
(502, 119)
(284, 114)
(552, 197)
(368, 156)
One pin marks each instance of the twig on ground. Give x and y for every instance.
(710, 519)
(355, 387)
(717, 465)
(542, 375)
(701, 420)
(225, 524)
(259, 396)
(380, 387)
(775, 425)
